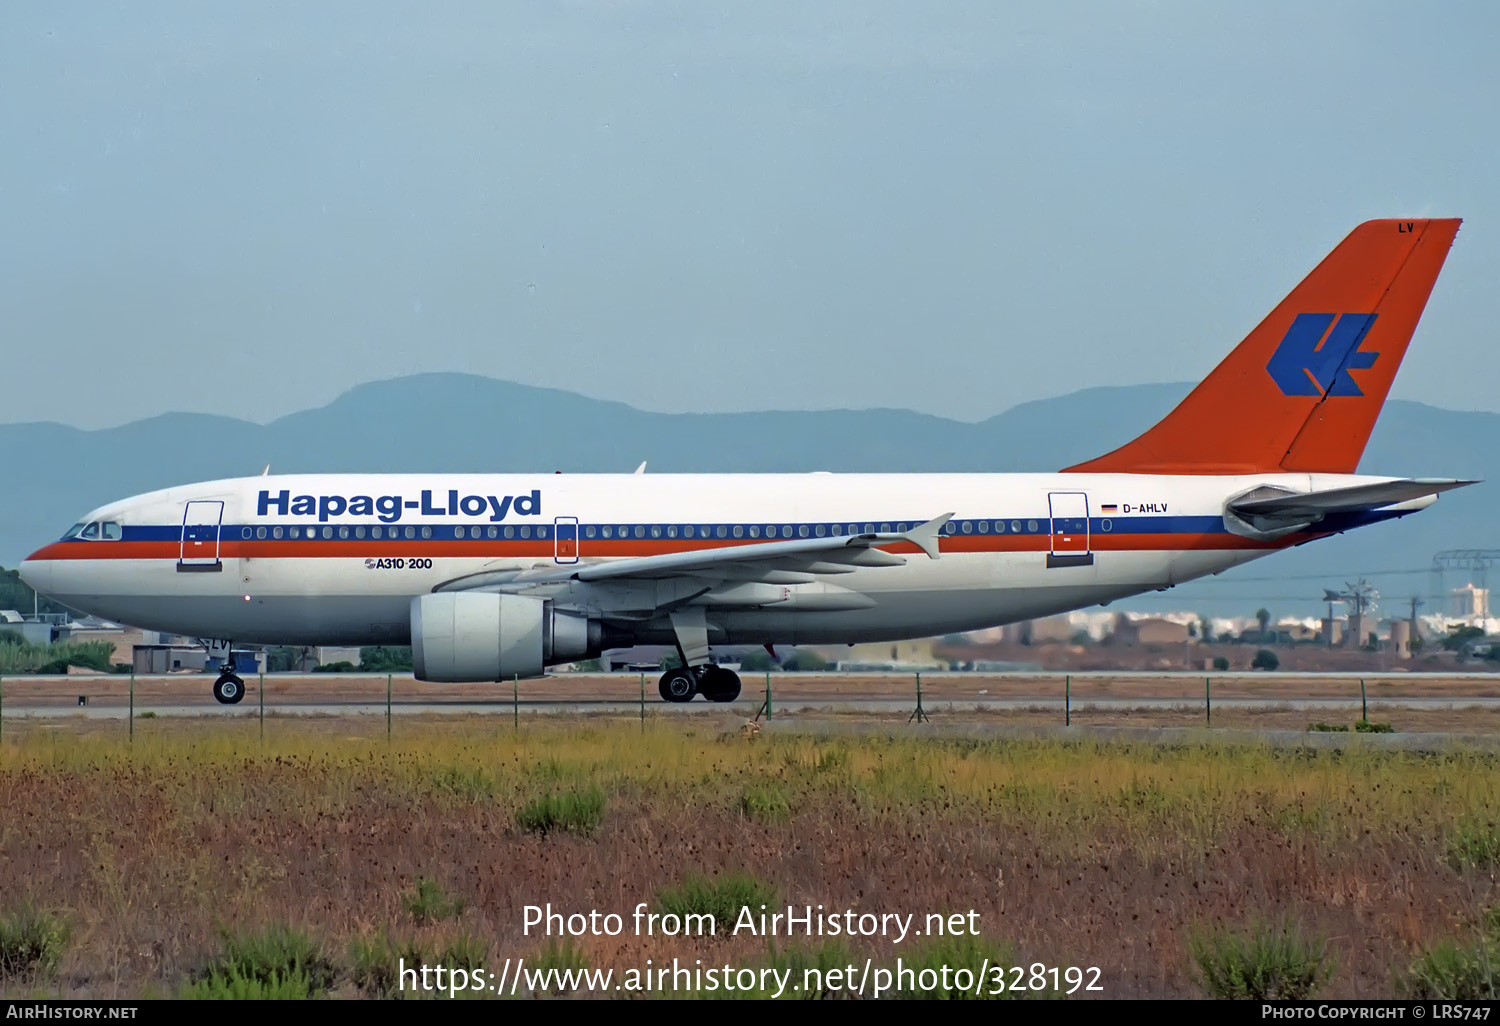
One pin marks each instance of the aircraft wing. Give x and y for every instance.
(774, 561)
(1356, 499)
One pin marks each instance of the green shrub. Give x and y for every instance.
(559, 958)
(578, 812)
(31, 941)
(766, 803)
(793, 964)
(965, 951)
(429, 903)
(1221, 663)
(1327, 728)
(1473, 842)
(278, 957)
(1265, 659)
(468, 785)
(341, 666)
(375, 962)
(723, 898)
(234, 986)
(1366, 727)
(1260, 962)
(1448, 971)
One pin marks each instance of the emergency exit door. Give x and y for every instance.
(565, 531)
(201, 520)
(1070, 529)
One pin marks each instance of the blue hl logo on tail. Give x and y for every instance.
(1300, 366)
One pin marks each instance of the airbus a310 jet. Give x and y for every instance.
(491, 577)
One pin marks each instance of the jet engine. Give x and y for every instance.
(459, 637)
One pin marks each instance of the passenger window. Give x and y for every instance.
(885, 528)
(426, 532)
(410, 532)
(541, 532)
(377, 532)
(296, 532)
(493, 532)
(838, 530)
(275, 532)
(343, 533)
(656, 530)
(818, 530)
(739, 532)
(260, 532)
(1031, 526)
(640, 532)
(984, 527)
(525, 531)
(999, 526)
(802, 531)
(244, 532)
(948, 528)
(869, 529)
(1015, 527)
(359, 532)
(687, 532)
(588, 532)
(968, 527)
(328, 532)
(607, 531)
(510, 532)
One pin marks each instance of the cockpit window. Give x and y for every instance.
(95, 530)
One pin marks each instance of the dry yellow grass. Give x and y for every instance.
(1074, 853)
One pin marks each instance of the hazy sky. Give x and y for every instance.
(947, 207)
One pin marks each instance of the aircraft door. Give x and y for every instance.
(565, 533)
(201, 520)
(1070, 529)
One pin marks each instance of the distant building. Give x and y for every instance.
(1148, 631)
(1470, 603)
(916, 654)
(1040, 631)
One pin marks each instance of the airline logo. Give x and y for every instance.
(390, 508)
(1314, 360)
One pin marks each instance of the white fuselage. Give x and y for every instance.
(337, 559)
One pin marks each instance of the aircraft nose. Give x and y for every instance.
(37, 573)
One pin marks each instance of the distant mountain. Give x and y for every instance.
(464, 423)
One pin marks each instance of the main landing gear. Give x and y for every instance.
(714, 683)
(229, 689)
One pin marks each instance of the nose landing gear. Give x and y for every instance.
(229, 689)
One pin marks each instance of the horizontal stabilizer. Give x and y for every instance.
(1355, 499)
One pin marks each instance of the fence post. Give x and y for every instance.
(1068, 700)
(1364, 706)
(919, 714)
(131, 714)
(260, 704)
(1208, 701)
(388, 707)
(515, 702)
(2, 705)
(643, 700)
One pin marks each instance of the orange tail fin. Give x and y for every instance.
(1302, 391)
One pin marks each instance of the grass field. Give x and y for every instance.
(170, 865)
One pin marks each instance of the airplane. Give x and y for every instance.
(497, 577)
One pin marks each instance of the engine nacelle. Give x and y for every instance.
(459, 637)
